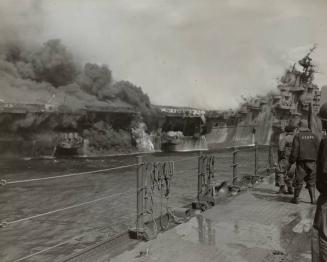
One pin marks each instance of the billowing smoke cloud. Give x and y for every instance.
(193, 53)
(199, 53)
(31, 73)
(48, 75)
(95, 79)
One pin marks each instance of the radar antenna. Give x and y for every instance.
(308, 67)
(312, 49)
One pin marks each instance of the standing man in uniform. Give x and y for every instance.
(304, 153)
(284, 173)
(319, 232)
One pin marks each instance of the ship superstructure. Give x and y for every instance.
(298, 96)
(262, 118)
(182, 129)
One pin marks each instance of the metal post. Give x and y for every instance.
(269, 156)
(200, 203)
(138, 232)
(200, 158)
(255, 161)
(140, 195)
(201, 229)
(234, 165)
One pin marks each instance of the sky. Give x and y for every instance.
(203, 54)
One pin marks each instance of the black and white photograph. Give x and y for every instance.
(163, 131)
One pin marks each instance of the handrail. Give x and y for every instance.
(4, 182)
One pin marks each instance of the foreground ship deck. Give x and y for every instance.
(256, 226)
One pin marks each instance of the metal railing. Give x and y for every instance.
(258, 172)
(207, 190)
(39, 182)
(156, 185)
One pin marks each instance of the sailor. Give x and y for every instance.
(304, 153)
(319, 232)
(285, 173)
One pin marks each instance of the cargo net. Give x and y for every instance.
(158, 215)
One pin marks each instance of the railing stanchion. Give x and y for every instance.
(206, 182)
(234, 165)
(255, 161)
(199, 175)
(140, 194)
(139, 232)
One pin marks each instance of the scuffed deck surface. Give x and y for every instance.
(258, 225)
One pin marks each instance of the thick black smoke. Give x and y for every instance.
(50, 75)
(51, 71)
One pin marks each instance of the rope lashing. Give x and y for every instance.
(158, 177)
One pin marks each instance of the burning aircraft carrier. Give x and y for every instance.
(51, 107)
(87, 113)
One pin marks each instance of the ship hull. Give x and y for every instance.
(62, 151)
(185, 144)
(238, 136)
(228, 137)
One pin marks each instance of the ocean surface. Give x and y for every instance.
(68, 231)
